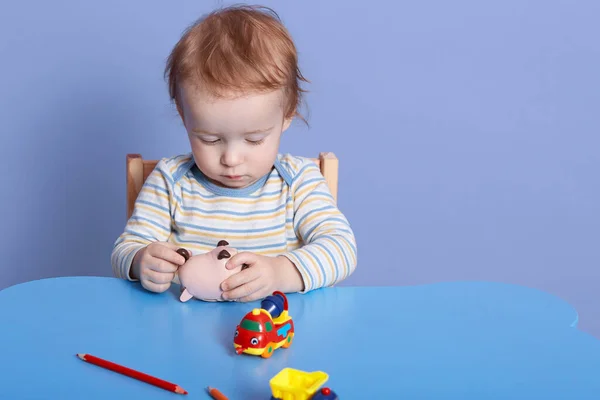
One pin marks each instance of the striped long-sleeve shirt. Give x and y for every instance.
(288, 212)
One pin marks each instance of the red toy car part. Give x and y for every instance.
(265, 329)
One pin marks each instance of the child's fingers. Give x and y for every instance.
(158, 277)
(258, 294)
(240, 278)
(153, 287)
(163, 266)
(167, 254)
(245, 291)
(177, 248)
(245, 257)
(171, 246)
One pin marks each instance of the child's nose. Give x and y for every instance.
(232, 158)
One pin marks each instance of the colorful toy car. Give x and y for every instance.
(293, 384)
(265, 329)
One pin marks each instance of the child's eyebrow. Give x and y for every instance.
(202, 131)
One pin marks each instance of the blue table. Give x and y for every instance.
(441, 341)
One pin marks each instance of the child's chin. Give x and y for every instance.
(231, 184)
(236, 184)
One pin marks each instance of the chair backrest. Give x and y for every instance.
(138, 170)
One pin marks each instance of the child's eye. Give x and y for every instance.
(209, 141)
(256, 142)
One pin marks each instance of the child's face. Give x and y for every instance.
(234, 140)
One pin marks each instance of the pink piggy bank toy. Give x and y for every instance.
(201, 275)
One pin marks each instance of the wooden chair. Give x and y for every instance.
(138, 170)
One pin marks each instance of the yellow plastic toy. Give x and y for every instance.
(293, 384)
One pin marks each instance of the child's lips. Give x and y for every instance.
(233, 177)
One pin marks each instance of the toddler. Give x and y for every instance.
(235, 81)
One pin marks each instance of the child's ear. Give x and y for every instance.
(180, 112)
(286, 123)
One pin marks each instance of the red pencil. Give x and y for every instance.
(132, 373)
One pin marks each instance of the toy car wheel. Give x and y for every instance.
(268, 351)
(288, 341)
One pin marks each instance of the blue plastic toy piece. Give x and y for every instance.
(274, 304)
(325, 394)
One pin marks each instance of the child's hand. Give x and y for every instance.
(263, 276)
(155, 266)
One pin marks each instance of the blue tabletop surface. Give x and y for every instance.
(466, 340)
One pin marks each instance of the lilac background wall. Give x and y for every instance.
(468, 133)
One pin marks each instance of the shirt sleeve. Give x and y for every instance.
(329, 253)
(149, 222)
